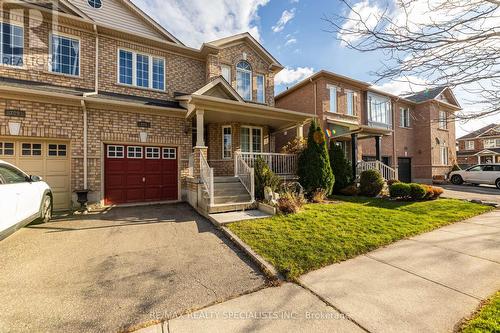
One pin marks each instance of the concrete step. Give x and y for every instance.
(232, 199)
(230, 191)
(235, 207)
(226, 180)
(228, 186)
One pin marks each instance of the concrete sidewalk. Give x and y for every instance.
(424, 284)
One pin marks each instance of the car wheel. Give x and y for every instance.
(497, 183)
(46, 210)
(457, 180)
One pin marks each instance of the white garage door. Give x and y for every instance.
(49, 159)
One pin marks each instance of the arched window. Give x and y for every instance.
(244, 80)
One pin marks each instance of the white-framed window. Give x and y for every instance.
(169, 153)
(152, 153)
(443, 120)
(57, 150)
(251, 139)
(350, 102)
(114, 151)
(95, 3)
(404, 120)
(261, 88)
(7, 149)
(31, 149)
(12, 44)
(141, 70)
(443, 149)
(134, 152)
(491, 143)
(226, 72)
(65, 55)
(244, 80)
(470, 145)
(379, 109)
(333, 98)
(227, 142)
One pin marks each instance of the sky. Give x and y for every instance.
(293, 31)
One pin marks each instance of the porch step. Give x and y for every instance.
(232, 199)
(230, 191)
(218, 180)
(234, 207)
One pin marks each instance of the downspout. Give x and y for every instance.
(85, 114)
(394, 151)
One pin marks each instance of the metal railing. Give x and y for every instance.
(207, 177)
(386, 171)
(245, 173)
(280, 164)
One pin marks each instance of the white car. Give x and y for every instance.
(23, 199)
(478, 174)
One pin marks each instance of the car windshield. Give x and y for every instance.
(475, 168)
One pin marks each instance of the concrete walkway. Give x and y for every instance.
(485, 193)
(424, 284)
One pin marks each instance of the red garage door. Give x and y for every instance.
(140, 174)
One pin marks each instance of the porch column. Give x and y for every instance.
(300, 131)
(354, 152)
(378, 148)
(200, 141)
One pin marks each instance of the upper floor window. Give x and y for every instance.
(12, 41)
(469, 145)
(141, 70)
(491, 143)
(443, 120)
(350, 103)
(261, 89)
(244, 80)
(405, 117)
(333, 98)
(95, 3)
(65, 55)
(379, 109)
(226, 72)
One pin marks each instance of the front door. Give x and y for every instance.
(404, 169)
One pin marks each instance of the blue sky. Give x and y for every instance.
(292, 30)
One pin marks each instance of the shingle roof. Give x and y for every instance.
(425, 95)
(478, 132)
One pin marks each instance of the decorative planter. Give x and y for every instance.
(82, 199)
(268, 209)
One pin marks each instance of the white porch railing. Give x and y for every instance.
(245, 173)
(386, 171)
(280, 164)
(207, 177)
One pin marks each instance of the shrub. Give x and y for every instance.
(392, 182)
(264, 177)
(290, 203)
(400, 191)
(314, 168)
(371, 183)
(296, 146)
(438, 191)
(417, 192)
(341, 168)
(318, 196)
(350, 190)
(429, 192)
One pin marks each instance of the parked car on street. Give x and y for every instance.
(479, 174)
(23, 199)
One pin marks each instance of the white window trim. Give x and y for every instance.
(134, 70)
(57, 150)
(330, 88)
(263, 88)
(251, 80)
(470, 147)
(352, 94)
(250, 139)
(444, 148)
(230, 72)
(3, 148)
(1, 47)
(64, 35)
(152, 158)
(107, 151)
(135, 157)
(495, 143)
(401, 120)
(171, 149)
(231, 150)
(388, 114)
(443, 123)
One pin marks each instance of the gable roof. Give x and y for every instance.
(246, 37)
(425, 95)
(479, 132)
(219, 88)
(123, 15)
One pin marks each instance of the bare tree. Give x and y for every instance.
(444, 42)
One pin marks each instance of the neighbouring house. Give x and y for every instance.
(479, 147)
(411, 138)
(96, 95)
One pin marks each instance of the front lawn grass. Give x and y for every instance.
(487, 319)
(324, 234)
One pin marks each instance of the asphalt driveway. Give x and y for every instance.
(116, 269)
(487, 193)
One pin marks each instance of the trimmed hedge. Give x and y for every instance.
(371, 183)
(400, 190)
(414, 192)
(417, 192)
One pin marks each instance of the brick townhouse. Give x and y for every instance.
(412, 136)
(479, 147)
(96, 95)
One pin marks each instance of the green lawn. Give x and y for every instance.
(323, 234)
(487, 319)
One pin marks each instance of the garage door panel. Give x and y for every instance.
(115, 166)
(134, 180)
(57, 167)
(59, 183)
(153, 194)
(135, 195)
(153, 180)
